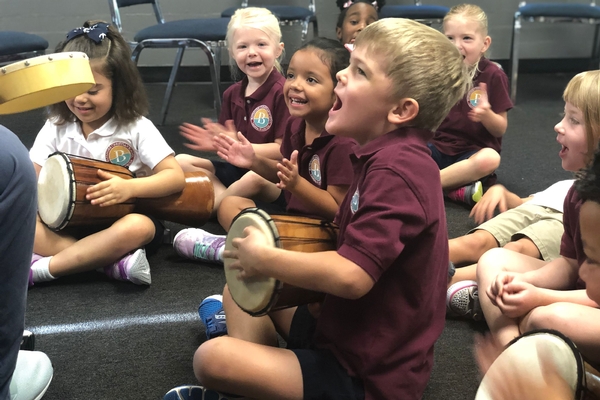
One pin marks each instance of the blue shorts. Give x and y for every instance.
(444, 160)
(228, 173)
(323, 377)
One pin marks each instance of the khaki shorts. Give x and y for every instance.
(542, 225)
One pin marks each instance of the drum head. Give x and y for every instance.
(44, 80)
(523, 356)
(252, 295)
(56, 191)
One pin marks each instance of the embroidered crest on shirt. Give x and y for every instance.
(119, 153)
(314, 168)
(261, 118)
(354, 202)
(473, 96)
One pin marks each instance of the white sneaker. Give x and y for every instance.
(134, 267)
(32, 376)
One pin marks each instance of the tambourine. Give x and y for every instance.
(43, 80)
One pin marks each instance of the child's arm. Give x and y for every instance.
(268, 150)
(168, 178)
(496, 124)
(326, 272)
(324, 203)
(241, 153)
(496, 197)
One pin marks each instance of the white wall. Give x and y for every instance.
(52, 19)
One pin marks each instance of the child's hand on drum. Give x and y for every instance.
(288, 172)
(247, 253)
(237, 152)
(112, 190)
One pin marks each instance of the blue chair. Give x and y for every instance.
(287, 15)
(422, 13)
(550, 12)
(207, 34)
(15, 46)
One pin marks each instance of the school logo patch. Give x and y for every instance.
(314, 168)
(261, 118)
(354, 202)
(473, 96)
(119, 153)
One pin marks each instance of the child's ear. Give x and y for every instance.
(487, 42)
(280, 48)
(406, 110)
(338, 33)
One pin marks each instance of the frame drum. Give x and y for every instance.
(260, 295)
(43, 80)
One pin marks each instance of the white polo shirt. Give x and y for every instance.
(138, 146)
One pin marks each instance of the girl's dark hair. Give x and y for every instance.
(344, 10)
(588, 180)
(331, 52)
(129, 100)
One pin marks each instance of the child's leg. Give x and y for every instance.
(479, 165)
(47, 242)
(191, 163)
(230, 207)
(490, 265)
(468, 248)
(252, 186)
(580, 323)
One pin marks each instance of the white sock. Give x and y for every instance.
(40, 270)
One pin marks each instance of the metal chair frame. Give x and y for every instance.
(212, 50)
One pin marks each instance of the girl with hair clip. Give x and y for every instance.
(106, 123)
(354, 16)
(521, 293)
(467, 144)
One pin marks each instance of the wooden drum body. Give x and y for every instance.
(260, 295)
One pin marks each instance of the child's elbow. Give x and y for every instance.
(356, 285)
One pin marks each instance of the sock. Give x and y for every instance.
(40, 270)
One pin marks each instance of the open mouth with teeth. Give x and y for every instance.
(297, 100)
(254, 64)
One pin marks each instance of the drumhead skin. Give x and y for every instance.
(56, 194)
(522, 356)
(252, 295)
(43, 80)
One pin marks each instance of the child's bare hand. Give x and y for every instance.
(496, 288)
(288, 172)
(494, 198)
(247, 252)
(518, 298)
(216, 129)
(200, 138)
(112, 190)
(483, 105)
(237, 152)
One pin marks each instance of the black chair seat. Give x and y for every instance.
(206, 30)
(557, 10)
(20, 42)
(413, 12)
(284, 13)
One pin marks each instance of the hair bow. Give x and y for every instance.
(96, 32)
(350, 2)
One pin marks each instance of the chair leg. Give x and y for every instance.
(514, 57)
(595, 50)
(217, 91)
(305, 29)
(170, 85)
(315, 28)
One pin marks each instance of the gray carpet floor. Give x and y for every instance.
(115, 340)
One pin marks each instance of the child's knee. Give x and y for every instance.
(490, 264)
(136, 227)
(208, 361)
(487, 160)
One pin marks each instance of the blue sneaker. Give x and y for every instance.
(191, 392)
(213, 316)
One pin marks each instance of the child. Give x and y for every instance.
(354, 16)
(315, 171)
(531, 226)
(523, 293)
(95, 124)
(254, 105)
(467, 144)
(384, 307)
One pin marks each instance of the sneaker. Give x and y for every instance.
(213, 316)
(462, 300)
(468, 195)
(32, 376)
(197, 244)
(28, 341)
(34, 257)
(191, 392)
(134, 267)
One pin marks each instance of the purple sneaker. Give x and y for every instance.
(133, 267)
(197, 244)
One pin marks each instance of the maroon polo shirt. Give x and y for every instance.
(262, 116)
(393, 225)
(457, 133)
(571, 245)
(324, 162)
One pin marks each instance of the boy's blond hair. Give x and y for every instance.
(258, 18)
(472, 12)
(421, 63)
(583, 92)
